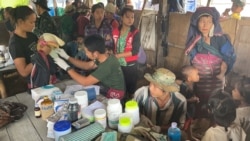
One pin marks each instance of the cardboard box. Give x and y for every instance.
(49, 90)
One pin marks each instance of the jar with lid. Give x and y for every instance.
(133, 108)
(114, 110)
(47, 108)
(73, 110)
(37, 111)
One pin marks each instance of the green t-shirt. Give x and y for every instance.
(109, 73)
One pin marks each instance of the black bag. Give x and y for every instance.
(11, 111)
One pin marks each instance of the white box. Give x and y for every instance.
(49, 90)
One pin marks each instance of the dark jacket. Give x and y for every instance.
(43, 71)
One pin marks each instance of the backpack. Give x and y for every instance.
(11, 111)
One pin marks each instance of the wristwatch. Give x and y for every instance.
(68, 68)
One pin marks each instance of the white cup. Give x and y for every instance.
(2, 48)
(82, 98)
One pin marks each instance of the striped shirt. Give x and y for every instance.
(173, 111)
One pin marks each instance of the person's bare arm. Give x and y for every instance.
(23, 68)
(82, 64)
(124, 54)
(83, 80)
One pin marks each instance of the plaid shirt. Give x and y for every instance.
(104, 30)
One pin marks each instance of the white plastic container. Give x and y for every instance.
(114, 110)
(132, 108)
(125, 123)
(61, 128)
(82, 98)
(100, 117)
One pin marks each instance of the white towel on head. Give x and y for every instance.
(48, 37)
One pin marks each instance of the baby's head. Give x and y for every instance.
(190, 73)
(241, 91)
(48, 42)
(222, 108)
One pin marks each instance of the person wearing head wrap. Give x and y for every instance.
(210, 51)
(44, 68)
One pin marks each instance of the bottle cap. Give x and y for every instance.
(113, 101)
(72, 100)
(100, 113)
(124, 121)
(132, 104)
(173, 124)
(62, 125)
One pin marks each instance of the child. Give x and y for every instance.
(223, 112)
(236, 8)
(241, 94)
(160, 101)
(75, 49)
(189, 77)
(44, 68)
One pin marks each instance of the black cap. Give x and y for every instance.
(42, 3)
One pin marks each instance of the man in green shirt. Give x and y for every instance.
(107, 68)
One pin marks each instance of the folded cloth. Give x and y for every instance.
(86, 134)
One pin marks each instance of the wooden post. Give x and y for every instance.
(144, 4)
(55, 7)
(208, 3)
(158, 51)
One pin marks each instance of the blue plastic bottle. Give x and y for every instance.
(174, 133)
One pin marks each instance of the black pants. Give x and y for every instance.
(131, 76)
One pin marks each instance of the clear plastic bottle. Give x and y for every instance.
(73, 110)
(47, 108)
(174, 133)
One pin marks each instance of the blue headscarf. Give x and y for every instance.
(193, 33)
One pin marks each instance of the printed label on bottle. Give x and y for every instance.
(37, 113)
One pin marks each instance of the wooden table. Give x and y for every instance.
(28, 128)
